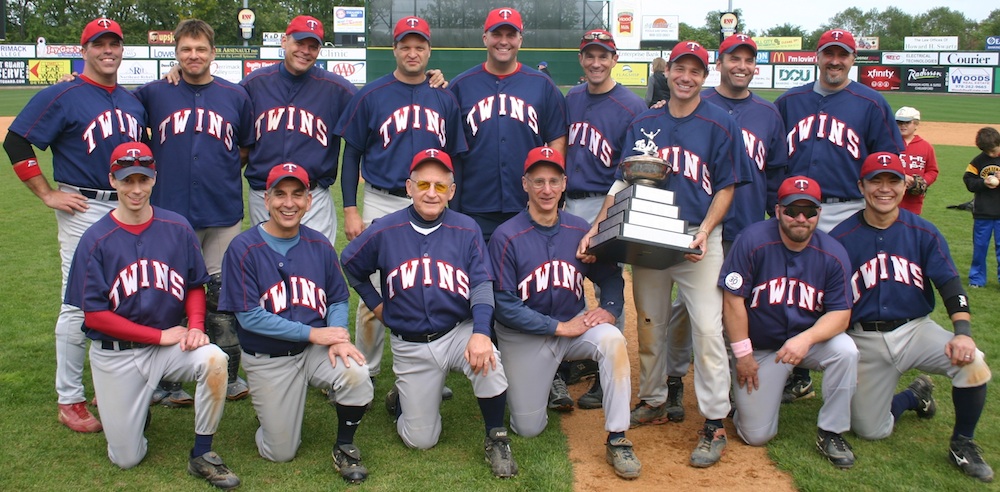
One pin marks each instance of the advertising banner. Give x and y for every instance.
(634, 74)
(47, 72)
(909, 58)
(970, 58)
(976, 80)
(778, 43)
(349, 20)
(930, 43)
(138, 72)
(17, 51)
(925, 79)
(788, 76)
(354, 71)
(13, 72)
(880, 77)
(785, 57)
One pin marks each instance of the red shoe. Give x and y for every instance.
(77, 417)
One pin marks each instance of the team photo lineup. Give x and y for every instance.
(475, 242)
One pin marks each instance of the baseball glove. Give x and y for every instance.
(919, 186)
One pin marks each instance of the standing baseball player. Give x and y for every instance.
(296, 106)
(895, 256)
(437, 299)
(832, 125)
(508, 109)
(387, 122)
(703, 144)
(599, 113)
(83, 121)
(981, 177)
(787, 302)
(283, 281)
(136, 274)
(542, 315)
(199, 128)
(918, 159)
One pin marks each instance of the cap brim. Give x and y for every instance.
(904, 118)
(101, 33)
(128, 171)
(551, 163)
(494, 27)
(848, 48)
(733, 48)
(284, 177)
(299, 36)
(790, 199)
(403, 34)
(432, 159)
(692, 55)
(598, 43)
(871, 175)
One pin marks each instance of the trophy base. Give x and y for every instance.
(640, 252)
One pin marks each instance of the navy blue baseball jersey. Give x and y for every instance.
(294, 118)
(197, 132)
(426, 279)
(83, 122)
(893, 268)
(705, 150)
(504, 118)
(142, 277)
(785, 291)
(390, 121)
(596, 137)
(299, 285)
(542, 268)
(829, 137)
(764, 142)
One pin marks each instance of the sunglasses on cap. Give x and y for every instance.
(595, 36)
(440, 188)
(129, 161)
(793, 211)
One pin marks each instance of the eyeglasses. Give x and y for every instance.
(592, 36)
(441, 188)
(129, 161)
(554, 183)
(793, 211)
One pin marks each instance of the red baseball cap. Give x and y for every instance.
(692, 48)
(735, 41)
(837, 37)
(287, 170)
(882, 162)
(99, 27)
(799, 188)
(132, 158)
(598, 37)
(411, 25)
(436, 155)
(305, 26)
(504, 16)
(544, 154)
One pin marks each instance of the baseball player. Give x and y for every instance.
(437, 299)
(541, 310)
(832, 125)
(283, 281)
(508, 109)
(199, 128)
(136, 274)
(787, 302)
(386, 123)
(763, 138)
(919, 160)
(83, 121)
(296, 106)
(703, 144)
(599, 113)
(895, 256)
(981, 178)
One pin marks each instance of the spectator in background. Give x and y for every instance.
(544, 68)
(981, 178)
(656, 89)
(918, 160)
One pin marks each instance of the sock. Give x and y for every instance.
(969, 403)
(802, 373)
(615, 435)
(903, 401)
(202, 444)
(348, 420)
(492, 410)
(717, 423)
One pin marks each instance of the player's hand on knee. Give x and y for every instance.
(793, 351)
(746, 373)
(330, 335)
(572, 328)
(437, 79)
(961, 349)
(353, 225)
(345, 351)
(194, 339)
(479, 354)
(173, 75)
(173, 336)
(65, 202)
(597, 316)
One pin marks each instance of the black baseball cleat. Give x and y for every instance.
(210, 467)
(347, 461)
(923, 388)
(834, 448)
(968, 456)
(498, 453)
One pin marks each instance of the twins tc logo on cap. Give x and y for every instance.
(435, 155)
(692, 48)
(289, 167)
(312, 24)
(505, 13)
(287, 170)
(882, 162)
(105, 23)
(411, 25)
(802, 184)
(544, 154)
(799, 188)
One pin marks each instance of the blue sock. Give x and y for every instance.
(492, 410)
(202, 444)
(615, 435)
(717, 423)
(903, 401)
(969, 403)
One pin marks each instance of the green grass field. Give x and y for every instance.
(43, 455)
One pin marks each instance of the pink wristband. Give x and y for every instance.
(742, 348)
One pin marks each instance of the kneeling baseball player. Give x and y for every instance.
(541, 310)
(283, 282)
(786, 303)
(136, 273)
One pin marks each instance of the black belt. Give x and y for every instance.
(106, 195)
(423, 337)
(400, 192)
(119, 346)
(289, 353)
(884, 326)
(576, 195)
(831, 199)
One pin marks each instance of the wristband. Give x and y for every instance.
(742, 348)
(962, 327)
(27, 169)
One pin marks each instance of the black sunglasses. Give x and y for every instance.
(591, 36)
(129, 161)
(793, 211)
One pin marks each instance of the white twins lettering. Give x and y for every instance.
(787, 291)
(827, 127)
(555, 274)
(694, 168)
(884, 268)
(205, 121)
(146, 274)
(755, 149)
(109, 123)
(416, 118)
(304, 292)
(512, 107)
(292, 119)
(427, 273)
(589, 137)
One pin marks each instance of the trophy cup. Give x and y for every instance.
(643, 226)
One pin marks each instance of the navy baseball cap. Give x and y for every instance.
(287, 170)
(737, 40)
(544, 154)
(435, 155)
(305, 26)
(882, 162)
(99, 27)
(411, 25)
(799, 188)
(132, 158)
